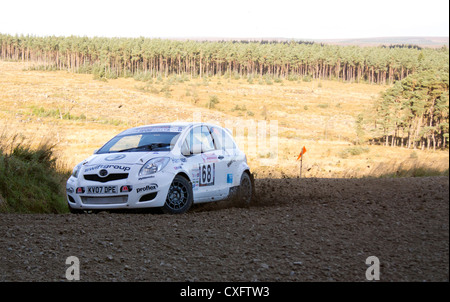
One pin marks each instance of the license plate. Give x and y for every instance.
(102, 190)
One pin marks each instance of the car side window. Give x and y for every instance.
(222, 139)
(206, 140)
(198, 140)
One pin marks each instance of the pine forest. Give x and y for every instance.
(412, 113)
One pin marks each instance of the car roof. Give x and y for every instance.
(174, 125)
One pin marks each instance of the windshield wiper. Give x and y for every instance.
(146, 147)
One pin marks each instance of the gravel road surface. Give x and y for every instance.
(298, 230)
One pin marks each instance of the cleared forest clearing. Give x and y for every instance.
(80, 113)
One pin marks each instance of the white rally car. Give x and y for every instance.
(170, 166)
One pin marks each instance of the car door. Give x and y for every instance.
(225, 144)
(206, 165)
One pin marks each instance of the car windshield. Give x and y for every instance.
(139, 142)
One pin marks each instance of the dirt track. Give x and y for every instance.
(300, 230)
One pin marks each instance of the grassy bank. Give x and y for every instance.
(408, 168)
(30, 181)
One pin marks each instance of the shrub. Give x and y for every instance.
(239, 108)
(293, 77)
(353, 151)
(307, 78)
(29, 179)
(144, 77)
(413, 155)
(323, 106)
(269, 81)
(213, 100)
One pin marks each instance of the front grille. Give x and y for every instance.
(105, 200)
(110, 177)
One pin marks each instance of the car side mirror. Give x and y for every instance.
(95, 151)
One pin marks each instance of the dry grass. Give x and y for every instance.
(30, 179)
(80, 114)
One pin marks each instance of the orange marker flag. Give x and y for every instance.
(301, 153)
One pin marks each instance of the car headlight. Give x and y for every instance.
(76, 170)
(154, 165)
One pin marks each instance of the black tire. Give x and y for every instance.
(245, 191)
(179, 198)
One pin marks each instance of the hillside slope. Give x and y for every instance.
(80, 114)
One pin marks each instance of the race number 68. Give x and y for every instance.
(207, 174)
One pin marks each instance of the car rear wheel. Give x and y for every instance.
(245, 192)
(179, 198)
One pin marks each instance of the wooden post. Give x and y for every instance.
(300, 156)
(301, 164)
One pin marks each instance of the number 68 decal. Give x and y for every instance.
(207, 174)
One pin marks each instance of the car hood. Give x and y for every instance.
(122, 158)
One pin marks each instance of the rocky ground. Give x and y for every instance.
(298, 230)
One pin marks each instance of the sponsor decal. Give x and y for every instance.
(229, 178)
(209, 158)
(195, 178)
(149, 187)
(230, 163)
(70, 190)
(104, 167)
(154, 129)
(178, 160)
(195, 185)
(195, 172)
(115, 157)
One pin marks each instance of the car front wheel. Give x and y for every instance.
(179, 198)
